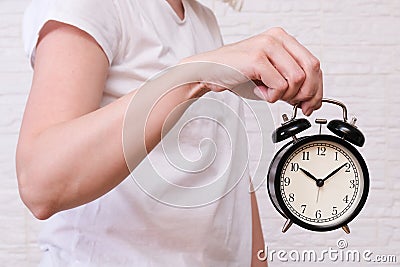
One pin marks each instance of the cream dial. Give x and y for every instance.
(321, 183)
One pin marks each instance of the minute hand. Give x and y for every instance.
(334, 172)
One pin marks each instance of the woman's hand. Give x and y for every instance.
(285, 68)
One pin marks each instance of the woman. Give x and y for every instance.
(89, 57)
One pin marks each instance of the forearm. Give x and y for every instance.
(77, 161)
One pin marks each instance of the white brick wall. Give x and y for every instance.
(359, 48)
(18, 230)
(358, 45)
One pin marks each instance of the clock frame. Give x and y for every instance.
(346, 135)
(274, 181)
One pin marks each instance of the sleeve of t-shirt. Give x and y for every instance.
(97, 18)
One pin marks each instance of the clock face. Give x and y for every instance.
(322, 183)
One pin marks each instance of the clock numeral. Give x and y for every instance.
(286, 181)
(318, 214)
(346, 199)
(306, 155)
(336, 156)
(294, 167)
(334, 211)
(352, 184)
(321, 151)
(291, 197)
(303, 208)
(347, 167)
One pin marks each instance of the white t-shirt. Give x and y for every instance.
(126, 227)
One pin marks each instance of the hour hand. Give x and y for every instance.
(309, 174)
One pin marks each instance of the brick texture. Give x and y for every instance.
(358, 44)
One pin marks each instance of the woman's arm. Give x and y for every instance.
(70, 150)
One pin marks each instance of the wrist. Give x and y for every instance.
(204, 73)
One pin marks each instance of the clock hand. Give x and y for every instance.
(334, 172)
(319, 182)
(309, 174)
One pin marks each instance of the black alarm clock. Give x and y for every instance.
(319, 182)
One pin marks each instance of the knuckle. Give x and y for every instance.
(315, 64)
(297, 77)
(268, 40)
(277, 31)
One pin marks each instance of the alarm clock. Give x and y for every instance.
(318, 182)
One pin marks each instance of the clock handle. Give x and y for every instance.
(342, 128)
(326, 100)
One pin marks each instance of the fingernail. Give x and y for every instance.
(308, 112)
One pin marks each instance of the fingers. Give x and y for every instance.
(279, 60)
(287, 66)
(299, 67)
(315, 101)
(310, 93)
(275, 85)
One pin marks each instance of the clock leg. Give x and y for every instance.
(346, 229)
(287, 225)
